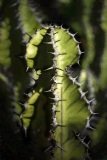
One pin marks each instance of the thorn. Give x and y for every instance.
(56, 99)
(56, 26)
(73, 36)
(82, 93)
(22, 104)
(28, 94)
(14, 4)
(59, 75)
(79, 51)
(61, 54)
(48, 91)
(90, 102)
(53, 67)
(48, 149)
(21, 57)
(60, 69)
(55, 32)
(94, 113)
(48, 68)
(76, 40)
(14, 112)
(48, 42)
(54, 53)
(78, 61)
(27, 69)
(51, 146)
(62, 26)
(21, 116)
(57, 145)
(55, 80)
(53, 108)
(56, 41)
(77, 136)
(74, 80)
(25, 131)
(28, 35)
(85, 144)
(57, 54)
(88, 124)
(60, 125)
(55, 124)
(91, 111)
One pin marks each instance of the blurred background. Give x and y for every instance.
(19, 19)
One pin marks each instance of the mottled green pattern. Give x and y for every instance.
(103, 76)
(27, 19)
(5, 43)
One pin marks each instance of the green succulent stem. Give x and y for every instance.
(65, 100)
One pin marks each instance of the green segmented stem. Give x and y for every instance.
(63, 109)
(29, 109)
(32, 47)
(73, 109)
(36, 116)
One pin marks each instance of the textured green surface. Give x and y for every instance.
(73, 109)
(32, 47)
(90, 51)
(64, 92)
(27, 19)
(5, 43)
(103, 76)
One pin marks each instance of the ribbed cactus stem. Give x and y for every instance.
(59, 92)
